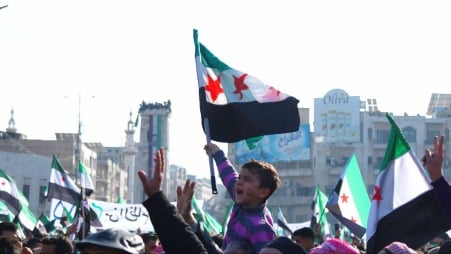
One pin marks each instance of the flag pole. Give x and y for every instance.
(210, 157)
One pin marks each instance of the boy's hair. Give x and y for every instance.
(266, 172)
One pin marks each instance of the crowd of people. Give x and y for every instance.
(250, 227)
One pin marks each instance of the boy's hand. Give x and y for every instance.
(211, 148)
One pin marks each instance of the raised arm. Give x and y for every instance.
(175, 235)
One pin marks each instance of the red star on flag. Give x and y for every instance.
(214, 87)
(377, 194)
(272, 94)
(239, 85)
(344, 198)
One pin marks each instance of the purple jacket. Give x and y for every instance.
(252, 225)
(442, 190)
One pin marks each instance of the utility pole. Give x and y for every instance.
(78, 144)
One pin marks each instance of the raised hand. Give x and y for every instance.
(433, 159)
(154, 184)
(184, 197)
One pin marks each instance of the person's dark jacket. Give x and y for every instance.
(207, 241)
(175, 235)
(442, 190)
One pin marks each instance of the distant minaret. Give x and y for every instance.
(11, 123)
(129, 159)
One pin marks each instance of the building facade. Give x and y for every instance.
(345, 125)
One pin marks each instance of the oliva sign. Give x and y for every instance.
(336, 96)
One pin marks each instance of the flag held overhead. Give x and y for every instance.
(237, 105)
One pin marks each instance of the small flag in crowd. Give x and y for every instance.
(403, 206)
(237, 105)
(349, 201)
(85, 179)
(5, 213)
(9, 193)
(319, 217)
(283, 224)
(61, 186)
(208, 221)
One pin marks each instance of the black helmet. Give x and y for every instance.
(114, 238)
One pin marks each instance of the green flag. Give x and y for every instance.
(349, 201)
(208, 221)
(403, 204)
(85, 179)
(319, 211)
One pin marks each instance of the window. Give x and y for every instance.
(370, 160)
(382, 136)
(26, 191)
(379, 162)
(42, 192)
(410, 134)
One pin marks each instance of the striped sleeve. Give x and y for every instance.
(227, 172)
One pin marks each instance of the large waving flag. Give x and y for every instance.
(9, 193)
(319, 212)
(237, 105)
(85, 179)
(403, 206)
(349, 201)
(61, 186)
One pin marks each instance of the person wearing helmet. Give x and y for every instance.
(111, 241)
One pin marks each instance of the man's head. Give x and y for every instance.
(56, 245)
(257, 182)
(8, 228)
(10, 245)
(282, 245)
(305, 237)
(112, 241)
(150, 242)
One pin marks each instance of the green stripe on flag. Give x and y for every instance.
(358, 189)
(396, 146)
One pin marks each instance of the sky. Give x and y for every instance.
(61, 61)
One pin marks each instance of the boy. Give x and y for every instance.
(250, 219)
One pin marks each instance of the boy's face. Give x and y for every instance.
(247, 189)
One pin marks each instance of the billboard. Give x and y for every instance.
(337, 117)
(293, 146)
